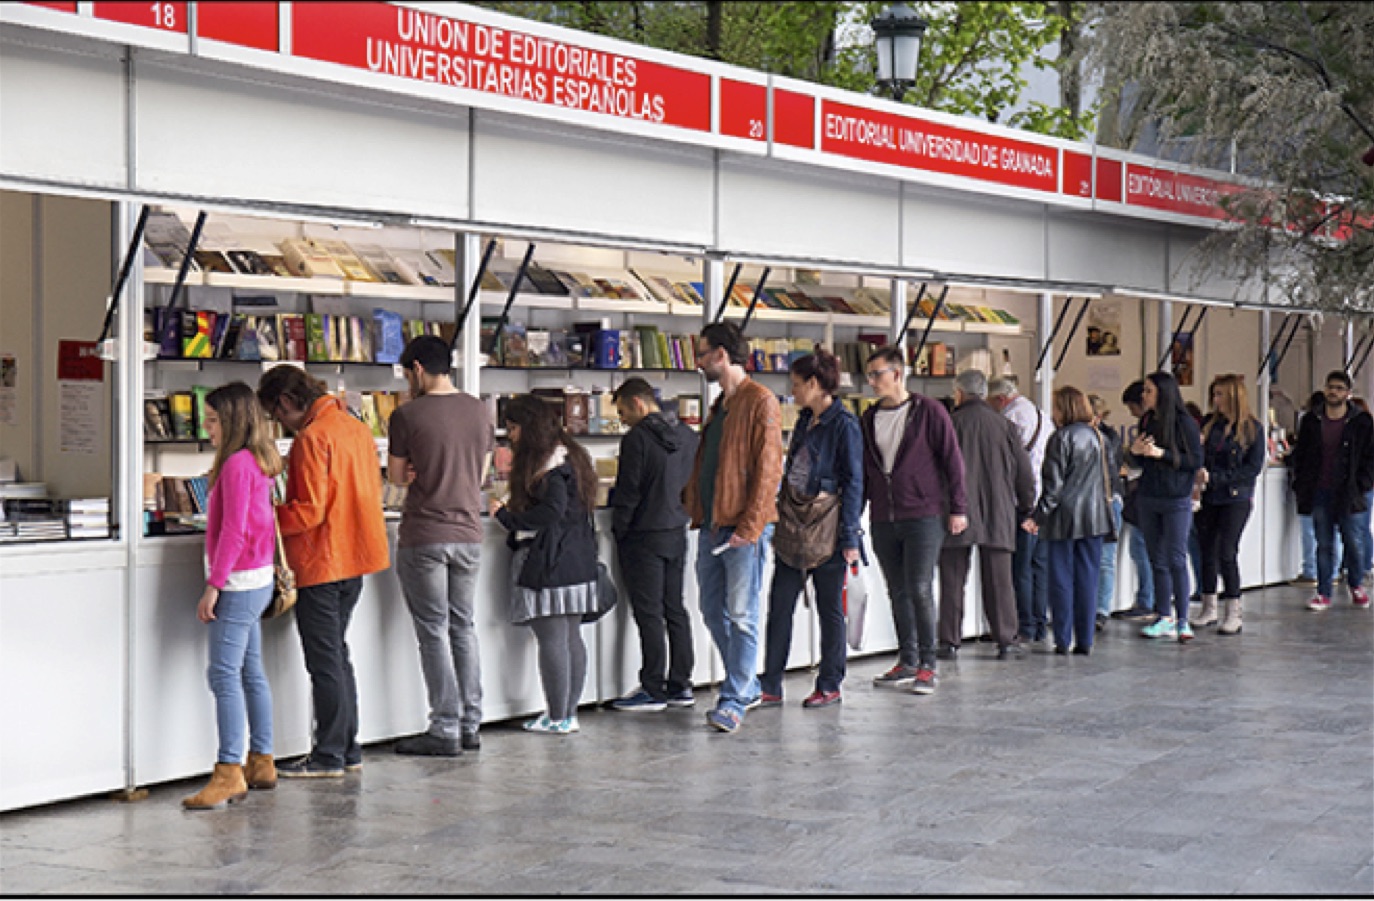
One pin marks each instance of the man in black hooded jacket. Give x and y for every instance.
(650, 529)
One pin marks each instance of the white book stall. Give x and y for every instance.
(348, 178)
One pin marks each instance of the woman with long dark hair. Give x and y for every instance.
(1168, 449)
(1233, 449)
(1072, 516)
(553, 568)
(825, 462)
(240, 538)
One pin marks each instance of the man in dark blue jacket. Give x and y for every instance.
(650, 529)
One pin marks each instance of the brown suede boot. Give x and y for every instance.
(226, 786)
(261, 772)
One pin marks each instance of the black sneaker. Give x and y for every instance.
(426, 745)
(947, 652)
(353, 766)
(308, 768)
(471, 741)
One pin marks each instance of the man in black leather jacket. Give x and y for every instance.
(650, 529)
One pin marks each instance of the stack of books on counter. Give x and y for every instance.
(88, 517)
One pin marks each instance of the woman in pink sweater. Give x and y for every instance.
(239, 543)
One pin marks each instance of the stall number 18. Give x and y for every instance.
(164, 15)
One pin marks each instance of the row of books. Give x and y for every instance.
(593, 412)
(587, 345)
(180, 415)
(305, 337)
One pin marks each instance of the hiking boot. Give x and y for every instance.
(1206, 614)
(1230, 623)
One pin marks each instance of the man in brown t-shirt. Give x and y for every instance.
(439, 443)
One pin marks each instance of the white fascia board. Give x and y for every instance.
(84, 25)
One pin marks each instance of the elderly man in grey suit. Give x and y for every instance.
(1001, 490)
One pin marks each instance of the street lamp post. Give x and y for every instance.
(897, 36)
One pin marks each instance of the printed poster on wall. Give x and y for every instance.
(1104, 329)
(9, 390)
(80, 397)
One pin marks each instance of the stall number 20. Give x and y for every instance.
(756, 129)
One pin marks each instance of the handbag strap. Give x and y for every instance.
(281, 545)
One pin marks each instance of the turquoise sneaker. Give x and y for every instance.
(1160, 628)
(1185, 631)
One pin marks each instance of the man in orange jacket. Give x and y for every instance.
(334, 533)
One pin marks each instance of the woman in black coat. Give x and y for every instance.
(553, 567)
(1233, 451)
(1073, 516)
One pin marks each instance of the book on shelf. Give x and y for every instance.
(182, 406)
(249, 262)
(369, 415)
(316, 347)
(576, 411)
(353, 268)
(383, 267)
(167, 237)
(214, 261)
(197, 333)
(291, 332)
(544, 281)
(307, 259)
(167, 324)
(388, 340)
(658, 287)
(157, 418)
(441, 265)
(199, 393)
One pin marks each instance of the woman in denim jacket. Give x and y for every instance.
(825, 456)
(1233, 451)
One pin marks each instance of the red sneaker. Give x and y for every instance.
(925, 682)
(767, 700)
(1319, 602)
(820, 698)
(1360, 598)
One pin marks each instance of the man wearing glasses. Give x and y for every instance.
(914, 486)
(1333, 471)
(732, 498)
(334, 534)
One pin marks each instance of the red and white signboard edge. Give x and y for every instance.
(84, 24)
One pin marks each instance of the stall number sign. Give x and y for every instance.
(439, 49)
(162, 16)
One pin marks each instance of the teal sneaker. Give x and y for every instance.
(1185, 631)
(1160, 628)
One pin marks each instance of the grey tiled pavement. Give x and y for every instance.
(1232, 765)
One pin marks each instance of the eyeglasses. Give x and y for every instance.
(874, 374)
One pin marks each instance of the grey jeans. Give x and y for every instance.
(440, 586)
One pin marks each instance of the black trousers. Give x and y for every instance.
(322, 616)
(999, 593)
(652, 564)
(1219, 527)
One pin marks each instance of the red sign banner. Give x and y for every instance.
(743, 109)
(426, 47)
(79, 361)
(1175, 192)
(246, 24)
(60, 7)
(162, 16)
(912, 143)
(794, 119)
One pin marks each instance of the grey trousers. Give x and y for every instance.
(440, 586)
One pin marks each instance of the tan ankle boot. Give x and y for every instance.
(261, 771)
(1230, 624)
(226, 786)
(1206, 614)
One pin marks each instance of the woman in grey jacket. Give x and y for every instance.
(1073, 517)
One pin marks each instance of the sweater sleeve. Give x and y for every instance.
(307, 486)
(951, 459)
(629, 480)
(851, 468)
(553, 500)
(234, 488)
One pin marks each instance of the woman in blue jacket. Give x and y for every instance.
(1168, 450)
(824, 459)
(1233, 449)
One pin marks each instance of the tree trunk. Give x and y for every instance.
(715, 10)
(1070, 80)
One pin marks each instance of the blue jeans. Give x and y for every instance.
(236, 676)
(1309, 549)
(1106, 576)
(1032, 585)
(1325, 525)
(1166, 522)
(1144, 573)
(729, 585)
(1074, 565)
(1362, 521)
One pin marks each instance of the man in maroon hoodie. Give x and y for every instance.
(914, 486)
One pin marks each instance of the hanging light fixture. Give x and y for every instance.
(897, 36)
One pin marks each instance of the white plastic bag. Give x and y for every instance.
(855, 604)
